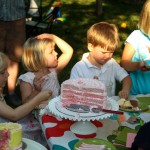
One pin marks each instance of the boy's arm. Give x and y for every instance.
(126, 86)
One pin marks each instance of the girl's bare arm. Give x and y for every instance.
(27, 92)
(21, 111)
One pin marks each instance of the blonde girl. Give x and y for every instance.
(6, 112)
(43, 65)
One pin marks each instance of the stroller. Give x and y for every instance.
(39, 23)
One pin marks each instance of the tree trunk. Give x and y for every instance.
(99, 9)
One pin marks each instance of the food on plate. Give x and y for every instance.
(85, 146)
(134, 103)
(132, 120)
(128, 104)
(83, 91)
(125, 104)
(10, 136)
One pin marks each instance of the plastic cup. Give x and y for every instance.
(108, 85)
(147, 62)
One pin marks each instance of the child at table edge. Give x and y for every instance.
(8, 114)
(102, 41)
(142, 139)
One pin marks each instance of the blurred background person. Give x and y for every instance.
(12, 37)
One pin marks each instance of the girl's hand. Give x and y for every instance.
(143, 66)
(45, 35)
(44, 95)
(123, 94)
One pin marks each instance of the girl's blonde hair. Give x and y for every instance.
(144, 20)
(103, 34)
(33, 53)
(3, 61)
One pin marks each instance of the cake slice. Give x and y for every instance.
(10, 136)
(83, 91)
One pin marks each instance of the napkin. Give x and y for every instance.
(122, 135)
(130, 139)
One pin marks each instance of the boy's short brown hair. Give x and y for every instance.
(103, 34)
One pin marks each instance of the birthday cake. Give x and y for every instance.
(82, 93)
(10, 136)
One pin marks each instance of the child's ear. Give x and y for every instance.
(90, 47)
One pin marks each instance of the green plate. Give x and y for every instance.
(96, 142)
(142, 107)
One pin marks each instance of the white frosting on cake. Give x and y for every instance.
(90, 92)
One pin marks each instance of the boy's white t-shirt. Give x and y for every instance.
(110, 71)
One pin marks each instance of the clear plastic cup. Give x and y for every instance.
(108, 85)
(147, 62)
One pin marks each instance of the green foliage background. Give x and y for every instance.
(80, 15)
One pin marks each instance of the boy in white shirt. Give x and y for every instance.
(102, 41)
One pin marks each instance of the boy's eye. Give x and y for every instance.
(107, 52)
(104, 52)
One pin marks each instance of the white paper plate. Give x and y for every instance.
(32, 145)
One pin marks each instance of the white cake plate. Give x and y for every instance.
(83, 126)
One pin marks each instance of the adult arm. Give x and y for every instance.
(21, 111)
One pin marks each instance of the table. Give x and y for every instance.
(59, 137)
